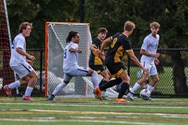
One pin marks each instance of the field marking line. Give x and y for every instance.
(89, 121)
(101, 105)
(164, 115)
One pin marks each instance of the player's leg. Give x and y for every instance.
(114, 70)
(59, 87)
(95, 81)
(119, 72)
(124, 87)
(154, 78)
(140, 82)
(101, 69)
(136, 86)
(33, 77)
(106, 77)
(81, 71)
(22, 72)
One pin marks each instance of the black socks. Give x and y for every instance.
(123, 90)
(110, 84)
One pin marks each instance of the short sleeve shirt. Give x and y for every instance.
(19, 42)
(150, 45)
(120, 44)
(70, 58)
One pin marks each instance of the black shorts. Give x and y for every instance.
(98, 68)
(116, 69)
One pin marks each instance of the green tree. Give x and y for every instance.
(39, 12)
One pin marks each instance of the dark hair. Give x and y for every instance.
(102, 30)
(24, 25)
(71, 35)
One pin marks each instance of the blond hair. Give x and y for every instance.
(129, 26)
(24, 25)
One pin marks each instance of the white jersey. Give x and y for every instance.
(70, 58)
(19, 42)
(150, 45)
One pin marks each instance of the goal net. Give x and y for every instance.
(55, 41)
(6, 74)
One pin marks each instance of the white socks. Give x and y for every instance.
(150, 88)
(14, 84)
(94, 79)
(58, 88)
(135, 87)
(28, 91)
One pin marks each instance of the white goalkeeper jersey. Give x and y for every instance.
(19, 42)
(150, 45)
(70, 58)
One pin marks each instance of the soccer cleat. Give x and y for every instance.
(119, 100)
(98, 92)
(28, 98)
(50, 98)
(130, 96)
(8, 90)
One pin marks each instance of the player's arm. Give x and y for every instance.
(156, 61)
(94, 49)
(135, 60)
(143, 52)
(22, 52)
(104, 43)
(75, 50)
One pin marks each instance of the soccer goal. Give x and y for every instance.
(55, 41)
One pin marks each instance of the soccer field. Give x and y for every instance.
(89, 111)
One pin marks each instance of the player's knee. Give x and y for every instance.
(90, 72)
(106, 76)
(156, 80)
(143, 80)
(126, 80)
(94, 73)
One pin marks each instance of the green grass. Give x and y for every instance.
(89, 111)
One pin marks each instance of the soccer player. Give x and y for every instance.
(71, 67)
(21, 63)
(120, 44)
(95, 62)
(149, 59)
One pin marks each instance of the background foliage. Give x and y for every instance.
(171, 14)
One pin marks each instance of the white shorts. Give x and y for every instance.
(80, 71)
(150, 66)
(22, 69)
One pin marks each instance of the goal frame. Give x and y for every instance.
(47, 51)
